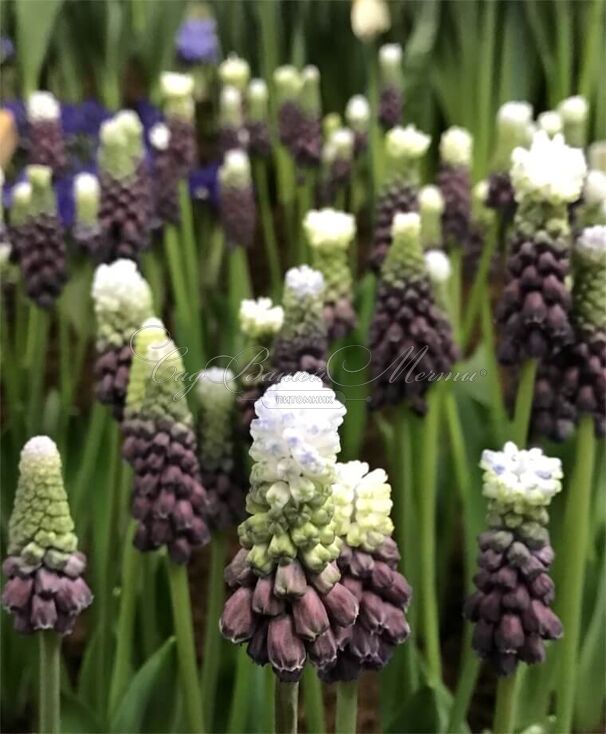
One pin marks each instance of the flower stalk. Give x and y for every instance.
(50, 676)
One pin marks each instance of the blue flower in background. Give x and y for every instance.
(197, 41)
(7, 49)
(149, 115)
(83, 118)
(203, 183)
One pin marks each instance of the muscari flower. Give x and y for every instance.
(39, 238)
(482, 220)
(126, 204)
(330, 234)
(225, 489)
(534, 308)
(178, 105)
(122, 302)
(259, 322)
(439, 270)
(574, 382)
(237, 199)
(574, 112)
(337, 160)
(87, 230)
(257, 116)
(514, 121)
(288, 84)
(45, 589)
(232, 132)
(166, 174)
(369, 18)
(454, 180)
(234, 72)
(46, 144)
(391, 98)
(431, 208)
(404, 148)
(410, 337)
(168, 500)
(196, 41)
(307, 146)
(21, 196)
(592, 208)
(287, 602)
(511, 607)
(357, 114)
(368, 564)
(302, 342)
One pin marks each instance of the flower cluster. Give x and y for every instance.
(410, 337)
(168, 501)
(122, 301)
(404, 148)
(196, 40)
(45, 589)
(511, 607)
(299, 113)
(178, 104)
(454, 180)
(391, 98)
(46, 143)
(330, 233)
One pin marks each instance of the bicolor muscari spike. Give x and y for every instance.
(534, 310)
(236, 199)
(287, 602)
(40, 238)
(404, 148)
(257, 116)
(122, 301)
(410, 335)
(574, 112)
(391, 96)
(45, 589)
(307, 146)
(302, 342)
(288, 84)
(165, 179)
(330, 234)
(178, 105)
(482, 221)
(46, 142)
(357, 114)
(368, 564)
(511, 610)
(234, 72)
(431, 209)
(168, 500)
(454, 180)
(87, 230)
(232, 132)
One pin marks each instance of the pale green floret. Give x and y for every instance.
(404, 149)
(404, 260)
(589, 288)
(574, 112)
(235, 72)
(514, 121)
(40, 525)
(481, 213)
(177, 95)
(330, 233)
(257, 97)
(42, 194)
(230, 108)
(87, 197)
(165, 386)
(310, 91)
(288, 84)
(152, 331)
(22, 197)
(235, 171)
(330, 124)
(456, 145)
(115, 155)
(259, 319)
(390, 65)
(133, 131)
(217, 395)
(431, 206)
(303, 302)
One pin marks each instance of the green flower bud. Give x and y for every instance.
(234, 72)
(217, 394)
(87, 197)
(390, 66)
(574, 112)
(42, 194)
(288, 84)
(404, 148)
(230, 108)
(589, 289)
(257, 96)
(330, 234)
(431, 205)
(404, 259)
(310, 92)
(177, 95)
(235, 171)
(22, 199)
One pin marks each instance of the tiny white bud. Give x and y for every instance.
(550, 122)
(159, 136)
(574, 109)
(257, 90)
(235, 71)
(357, 112)
(456, 145)
(406, 142)
(431, 199)
(22, 193)
(594, 191)
(438, 266)
(173, 84)
(42, 106)
(406, 224)
(390, 54)
(305, 281)
(329, 228)
(86, 185)
(515, 114)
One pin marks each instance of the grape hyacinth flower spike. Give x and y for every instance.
(122, 302)
(232, 132)
(454, 180)
(409, 334)
(45, 589)
(178, 105)
(514, 121)
(431, 209)
(19, 213)
(307, 146)
(439, 270)
(534, 310)
(166, 175)
(287, 602)
(574, 112)
(41, 244)
(330, 234)
(482, 221)
(288, 84)
(225, 490)
(404, 148)
(357, 115)
(46, 142)
(302, 342)
(511, 608)
(126, 203)
(237, 200)
(87, 230)
(259, 321)
(574, 383)
(168, 499)
(368, 563)
(235, 72)
(391, 97)
(337, 160)
(257, 119)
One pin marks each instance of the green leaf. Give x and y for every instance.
(77, 717)
(425, 711)
(35, 22)
(132, 708)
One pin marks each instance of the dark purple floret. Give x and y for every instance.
(40, 250)
(395, 198)
(391, 103)
(238, 215)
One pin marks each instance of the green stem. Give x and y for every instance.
(239, 287)
(37, 367)
(50, 679)
(427, 521)
(267, 223)
(456, 282)
(287, 704)
(505, 708)
(465, 686)
(305, 198)
(131, 569)
(577, 531)
(212, 641)
(94, 435)
(188, 241)
(184, 632)
(498, 415)
(523, 406)
(479, 286)
(312, 698)
(374, 133)
(240, 700)
(347, 707)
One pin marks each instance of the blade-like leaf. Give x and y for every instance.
(35, 22)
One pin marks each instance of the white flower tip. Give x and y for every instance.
(305, 281)
(438, 265)
(230, 98)
(40, 447)
(369, 18)
(357, 110)
(257, 90)
(592, 240)
(236, 161)
(342, 141)
(235, 71)
(177, 85)
(406, 225)
(310, 74)
(215, 382)
(329, 228)
(43, 106)
(550, 122)
(287, 76)
(431, 199)
(407, 142)
(22, 192)
(159, 136)
(129, 121)
(456, 145)
(515, 114)
(86, 185)
(120, 285)
(594, 191)
(390, 54)
(574, 110)
(39, 176)
(112, 132)
(260, 318)
(480, 191)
